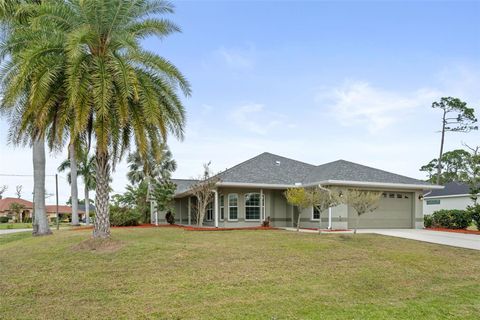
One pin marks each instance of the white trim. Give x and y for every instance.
(228, 206)
(449, 196)
(215, 208)
(376, 184)
(255, 185)
(312, 218)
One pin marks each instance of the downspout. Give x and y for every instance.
(215, 210)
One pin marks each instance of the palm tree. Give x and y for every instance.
(160, 167)
(114, 89)
(86, 169)
(20, 97)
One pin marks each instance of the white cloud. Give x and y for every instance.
(254, 118)
(360, 103)
(237, 58)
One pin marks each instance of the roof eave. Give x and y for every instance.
(377, 184)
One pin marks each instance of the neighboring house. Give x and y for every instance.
(63, 210)
(253, 191)
(6, 203)
(455, 195)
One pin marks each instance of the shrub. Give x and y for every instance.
(121, 217)
(170, 217)
(428, 221)
(452, 219)
(475, 214)
(4, 219)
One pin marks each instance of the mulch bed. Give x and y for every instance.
(187, 228)
(455, 230)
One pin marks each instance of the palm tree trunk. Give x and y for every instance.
(87, 206)
(102, 212)
(40, 226)
(73, 184)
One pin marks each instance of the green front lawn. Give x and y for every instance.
(166, 273)
(22, 225)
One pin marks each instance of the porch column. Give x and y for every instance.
(215, 209)
(329, 218)
(262, 214)
(189, 211)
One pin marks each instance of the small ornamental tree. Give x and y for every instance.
(323, 198)
(202, 190)
(362, 202)
(298, 197)
(2, 190)
(457, 117)
(17, 210)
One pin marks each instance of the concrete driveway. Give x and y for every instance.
(461, 240)
(8, 231)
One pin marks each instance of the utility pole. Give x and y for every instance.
(56, 196)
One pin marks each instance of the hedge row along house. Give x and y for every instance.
(253, 191)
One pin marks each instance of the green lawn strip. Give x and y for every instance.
(176, 274)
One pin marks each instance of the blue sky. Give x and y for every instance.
(315, 81)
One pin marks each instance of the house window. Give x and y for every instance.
(233, 206)
(252, 206)
(315, 214)
(222, 208)
(209, 213)
(433, 202)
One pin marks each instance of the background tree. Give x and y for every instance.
(87, 170)
(18, 191)
(362, 201)
(454, 165)
(473, 172)
(17, 210)
(202, 190)
(157, 166)
(2, 190)
(457, 117)
(298, 197)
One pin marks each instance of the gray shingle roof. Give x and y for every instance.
(349, 171)
(268, 168)
(451, 188)
(183, 184)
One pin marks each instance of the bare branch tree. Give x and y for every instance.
(19, 191)
(2, 190)
(203, 191)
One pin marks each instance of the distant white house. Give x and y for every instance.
(455, 195)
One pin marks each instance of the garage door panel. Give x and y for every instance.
(394, 211)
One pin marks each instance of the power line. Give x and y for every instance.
(22, 175)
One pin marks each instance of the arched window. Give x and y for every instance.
(252, 206)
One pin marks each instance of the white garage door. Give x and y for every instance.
(394, 211)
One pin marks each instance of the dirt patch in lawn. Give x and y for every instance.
(99, 245)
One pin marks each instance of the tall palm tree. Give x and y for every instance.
(115, 89)
(86, 169)
(17, 99)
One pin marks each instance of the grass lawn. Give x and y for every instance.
(4, 226)
(167, 273)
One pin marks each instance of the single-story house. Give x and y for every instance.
(455, 195)
(51, 210)
(6, 203)
(253, 191)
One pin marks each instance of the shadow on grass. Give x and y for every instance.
(99, 245)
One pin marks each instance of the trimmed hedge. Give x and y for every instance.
(451, 219)
(428, 221)
(4, 219)
(123, 217)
